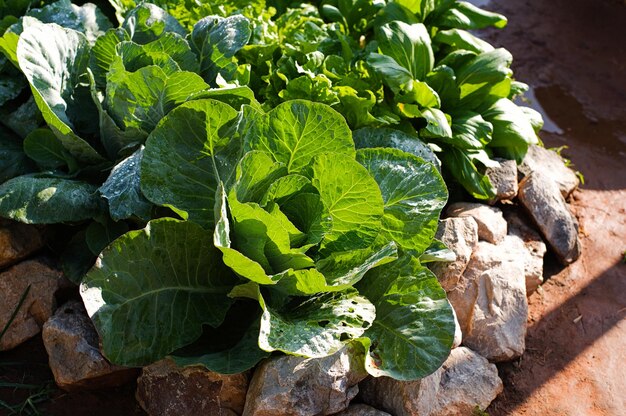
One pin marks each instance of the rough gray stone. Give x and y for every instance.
(539, 159)
(362, 410)
(17, 241)
(542, 200)
(295, 386)
(465, 380)
(491, 224)
(38, 305)
(504, 180)
(461, 236)
(165, 389)
(533, 264)
(497, 329)
(74, 357)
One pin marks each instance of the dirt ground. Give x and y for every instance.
(573, 53)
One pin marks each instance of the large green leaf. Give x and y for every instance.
(469, 131)
(465, 15)
(353, 199)
(297, 131)
(487, 74)
(459, 164)
(242, 356)
(393, 74)
(317, 327)
(13, 160)
(217, 40)
(462, 39)
(408, 45)
(104, 52)
(148, 22)
(54, 60)
(414, 327)
(123, 190)
(139, 100)
(414, 194)
(186, 157)
(42, 199)
(369, 137)
(513, 131)
(153, 289)
(43, 147)
(87, 18)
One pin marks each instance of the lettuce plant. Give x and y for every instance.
(281, 211)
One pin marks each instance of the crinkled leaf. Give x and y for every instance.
(54, 61)
(41, 199)
(104, 52)
(255, 172)
(369, 137)
(186, 157)
(413, 192)
(123, 189)
(217, 40)
(414, 327)
(297, 131)
(234, 96)
(148, 22)
(346, 268)
(317, 327)
(353, 199)
(153, 289)
(141, 99)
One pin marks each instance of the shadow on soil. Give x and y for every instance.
(558, 337)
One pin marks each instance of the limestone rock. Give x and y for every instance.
(295, 386)
(165, 389)
(362, 410)
(17, 241)
(504, 180)
(465, 380)
(539, 159)
(461, 236)
(497, 329)
(536, 248)
(491, 224)
(541, 198)
(75, 359)
(38, 305)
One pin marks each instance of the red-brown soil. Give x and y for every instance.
(573, 53)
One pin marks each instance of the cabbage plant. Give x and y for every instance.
(289, 234)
